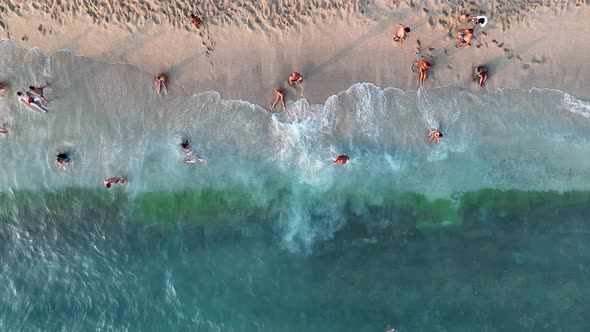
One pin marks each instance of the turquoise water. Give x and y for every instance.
(486, 231)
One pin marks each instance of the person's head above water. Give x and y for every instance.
(108, 184)
(406, 29)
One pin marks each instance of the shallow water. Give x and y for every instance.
(484, 231)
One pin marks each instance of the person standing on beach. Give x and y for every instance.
(423, 67)
(295, 77)
(38, 92)
(114, 180)
(279, 96)
(482, 73)
(401, 33)
(161, 83)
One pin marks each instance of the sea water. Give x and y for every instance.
(485, 231)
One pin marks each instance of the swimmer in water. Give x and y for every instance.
(190, 157)
(435, 136)
(161, 83)
(115, 180)
(341, 160)
(62, 159)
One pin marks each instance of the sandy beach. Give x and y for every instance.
(245, 49)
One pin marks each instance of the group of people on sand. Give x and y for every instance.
(464, 37)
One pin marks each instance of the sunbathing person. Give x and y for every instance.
(279, 96)
(423, 67)
(482, 73)
(464, 37)
(30, 102)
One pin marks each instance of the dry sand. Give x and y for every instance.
(246, 48)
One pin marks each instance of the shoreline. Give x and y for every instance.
(246, 62)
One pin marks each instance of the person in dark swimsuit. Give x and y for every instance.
(481, 73)
(62, 158)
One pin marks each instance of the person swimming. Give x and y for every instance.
(341, 160)
(114, 180)
(62, 158)
(435, 136)
(190, 157)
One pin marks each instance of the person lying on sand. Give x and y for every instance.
(30, 102)
(423, 67)
(464, 37)
(295, 77)
(482, 73)
(279, 96)
(435, 136)
(62, 158)
(196, 21)
(116, 180)
(161, 83)
(401, 33)
(342, 159)
(38, 92)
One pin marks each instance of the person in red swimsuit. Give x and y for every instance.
(342, 159)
